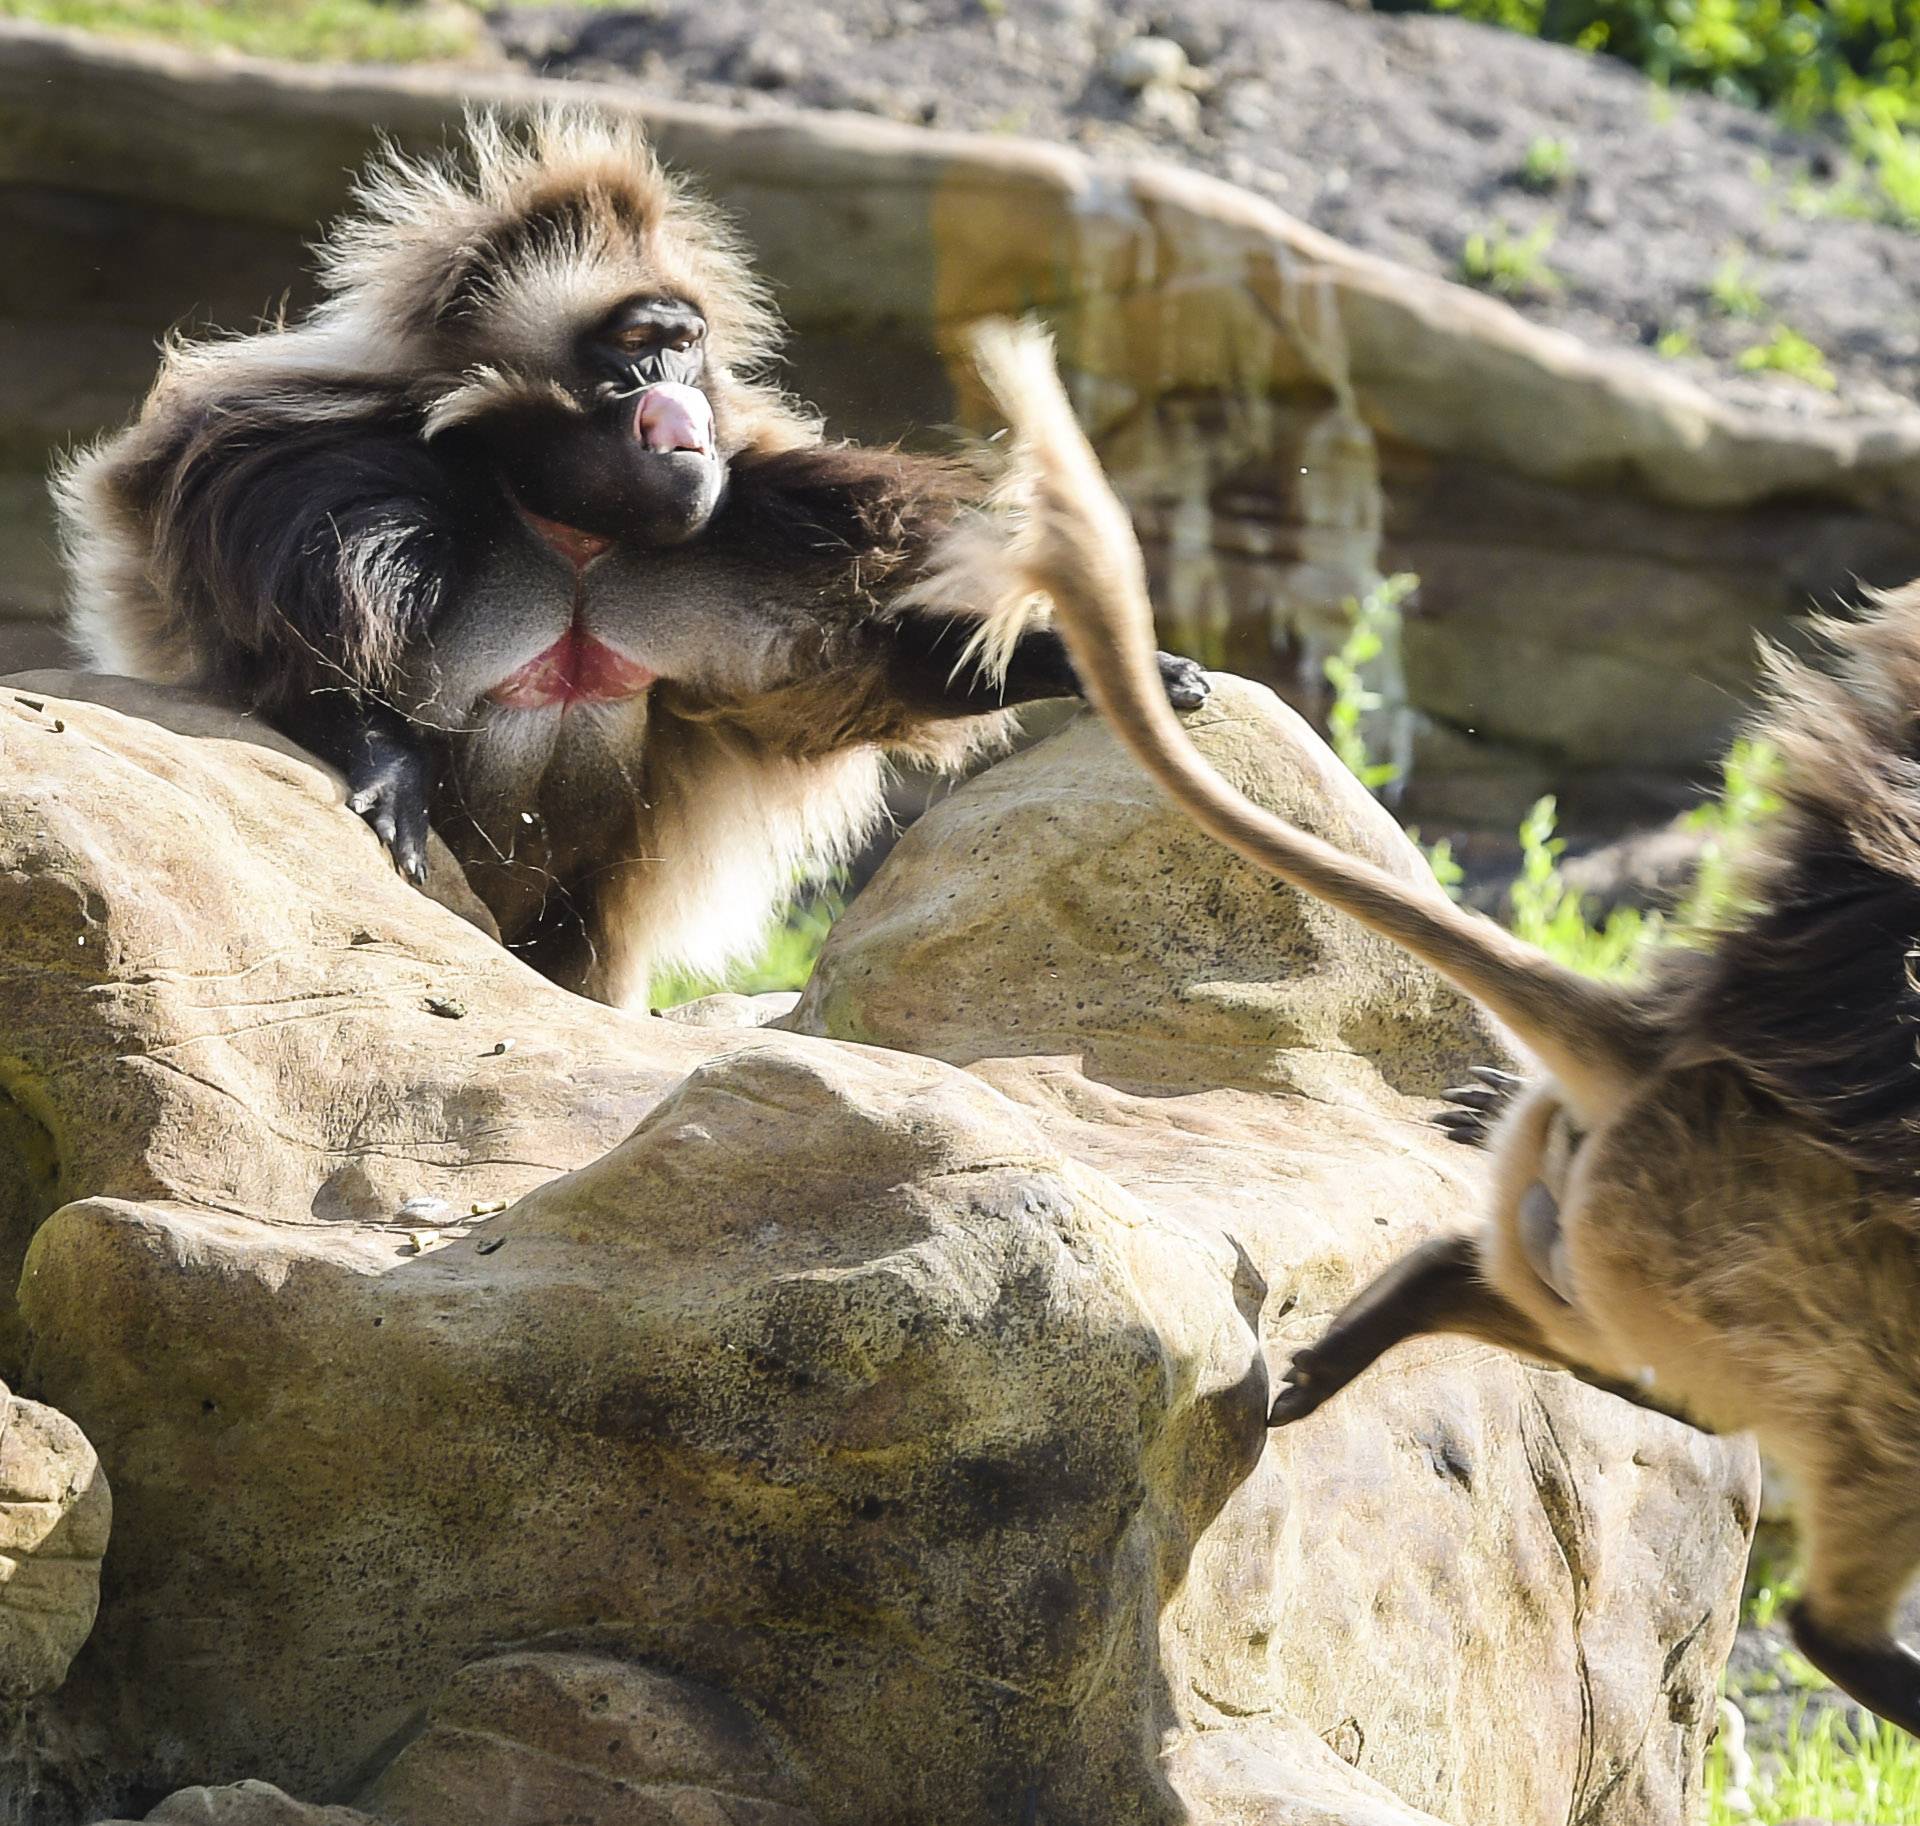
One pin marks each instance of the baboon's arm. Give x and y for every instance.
(934, 667)
(1884, 1676)
(1441, 1286)
(388, 773)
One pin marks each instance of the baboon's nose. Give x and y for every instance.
(672, 416)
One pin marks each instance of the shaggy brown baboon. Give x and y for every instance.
(513, 530)
(1712, 1192)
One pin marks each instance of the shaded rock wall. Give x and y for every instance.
(630, 1420)
(1599, 538)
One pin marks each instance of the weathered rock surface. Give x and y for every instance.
(827, 1433)
(248, 1804)
(1598, 536)
(55, 1513)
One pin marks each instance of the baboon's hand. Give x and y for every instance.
(387, 786)
(1186, 683)
(1302, 1389)
(1477, 1107)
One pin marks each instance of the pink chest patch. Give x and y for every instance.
(576, 669)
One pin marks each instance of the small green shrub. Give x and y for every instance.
(1676, 344)
(1373, 620)
(1732, 292)
(1786, 351)
(1548, 912)
(1880, 131)
(1548, 164)
(1513, 266)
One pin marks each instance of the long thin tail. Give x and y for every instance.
(1076, 545)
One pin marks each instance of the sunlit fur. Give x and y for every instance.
(1722, 1162)
(454, 294)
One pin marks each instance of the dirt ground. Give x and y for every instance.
(1402, 134)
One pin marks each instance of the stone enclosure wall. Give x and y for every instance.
(1598, 539)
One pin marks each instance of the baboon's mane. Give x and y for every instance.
(1814, 991)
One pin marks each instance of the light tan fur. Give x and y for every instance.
(1692, 1238)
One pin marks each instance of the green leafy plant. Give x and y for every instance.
(1548, 163)
(1373, 620)
(1786, 351)
(1547, 911)
(1512, 265)
(1880, 130)
(1676, 344)
(1732, 292)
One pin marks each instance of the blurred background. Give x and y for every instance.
(1485, 378)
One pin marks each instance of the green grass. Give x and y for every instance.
(1824, 1769)
(345, 31)
(1512, 265)
(784, 962)
(1787, 352)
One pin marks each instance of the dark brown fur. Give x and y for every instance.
(339, 523)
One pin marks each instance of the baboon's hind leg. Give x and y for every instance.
(1439, 1287)
(1860, 1556)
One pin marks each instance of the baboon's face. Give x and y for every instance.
(639, 461)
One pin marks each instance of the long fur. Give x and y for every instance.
(1813, 991)
(297, 511)
(1710, 1203)
(270, 471)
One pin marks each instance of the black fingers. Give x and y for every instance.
(1187, 687)
(1304, 1387)
(389, 790)
(1478, 1107)
(386, 765)
(1883, 1676)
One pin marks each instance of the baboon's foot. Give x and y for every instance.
(1882, 1675)
(1477, 1107)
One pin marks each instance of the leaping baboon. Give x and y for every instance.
(1710, 1192)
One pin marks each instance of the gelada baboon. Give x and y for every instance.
(1711, 1193)
(514, 531)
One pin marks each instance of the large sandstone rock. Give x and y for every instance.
(55, 1513)
(820, 1432)
(1599, 538)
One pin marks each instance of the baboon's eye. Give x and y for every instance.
(660, 326)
